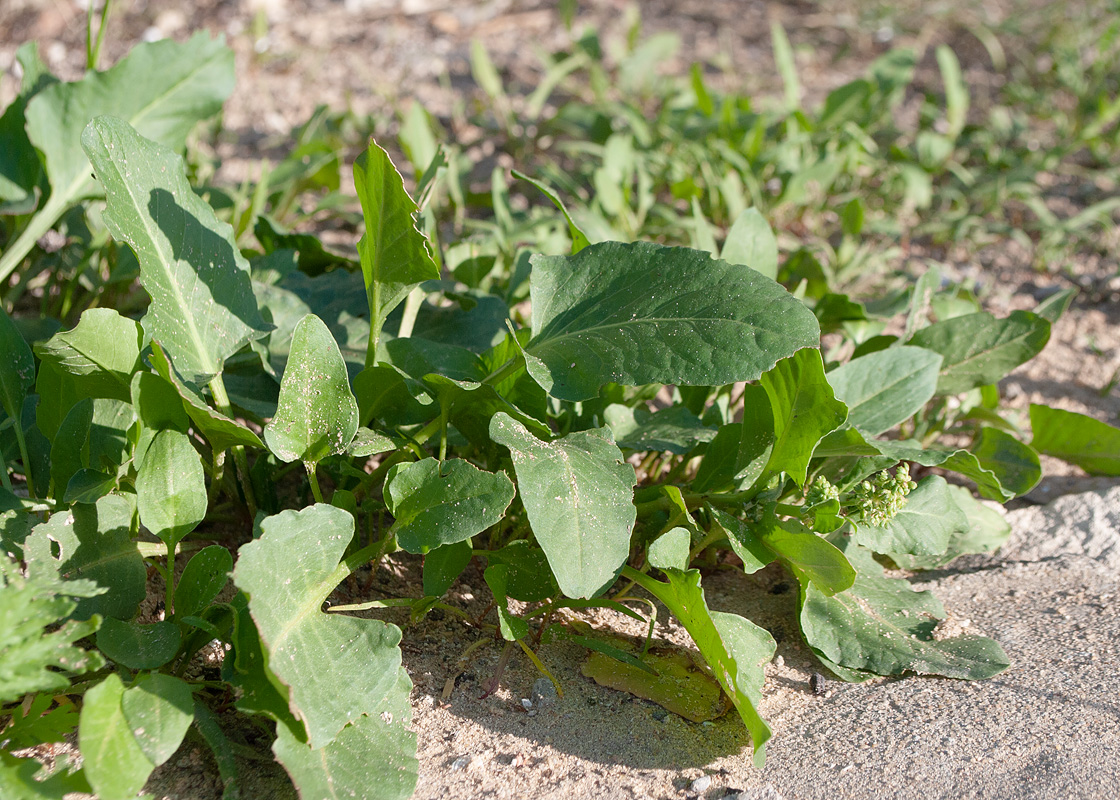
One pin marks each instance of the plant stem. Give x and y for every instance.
(24, 458)
(313, 477)
(170, 583)
(411, 309)
(218, 389)
(507, 370)
(93, 50)
(4, 473)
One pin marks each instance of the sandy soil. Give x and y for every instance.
(372, 56)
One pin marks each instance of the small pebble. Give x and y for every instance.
(661, 715)
(701, 784)
(526, 703)
(544, 692)
(817, 683)
(460, 763)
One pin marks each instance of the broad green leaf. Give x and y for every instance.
(171, 487)
(804, 411)
(675, 429)
(369, 443)
(744, 541)
(162, 89)
(443, 565)
(70, 449)
(36, 654)
(642, 313)
(337, 668)
(1014, 464)
(373, 758)
(734, 648)
(883, 626)
(529, 579)
(383, 393)
(511, 627)
(978, 349)
(221, 431)
(317, 415)
(739, 453)
(203, 309)
(987, 475)
(114, 763)
(17, 367)
(887, 387)
(94, 542)
(158, 709)
(1079, 439)
(259, 690)
(472, 405)
(436, 503)
(394, 254)
(158, 406)
(923, 526)
(57, 395)
(987, 530)
(670, 549)
(205, 575)
(1054, 306)
(578, 493)
(139, 646)
(19, 780)
(807, 555)
(751, 242)
(89, 486)
(102, 353)
(20, 169)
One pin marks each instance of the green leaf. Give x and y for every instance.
(19, 780)
(17, 367)
(394, 254)
(102, 352)
(529, 579)
(739, 453)
(744, 541)
(978, 349)
(751, 242)
(203, 309)
(642, 313)
(158, 710)
(336, 667)
(114, 763)
(94, 542)
(881, 625)
(923, 526)
(807, 555)
(987, 530)
(259, 690)
(804, 411)
(138, 646)
(887, 387)
(20, 169)
(579, 238)
(735, 648)
(1014, 464)
(205, 575)
(373, 758)
(171, 487)
(1076, 438)
(578, 493)
(162, 89)
(437, 503)
(70, 449)
(675, 429)
(443, 565)
(510, 626)
(317, 415)
(369, 443)
(221, 431)
(35, 652)
(670, 550)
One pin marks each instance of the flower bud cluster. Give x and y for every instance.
(820, 491)
(879, 499)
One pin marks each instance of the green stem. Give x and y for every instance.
(170, 583)
(507, 370)
(313, 476)
(24, 458)
(240, 460)
(4, 472)
(39, 224)
(93, 55)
